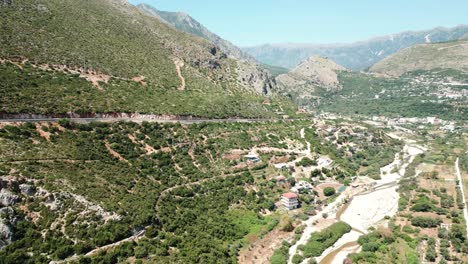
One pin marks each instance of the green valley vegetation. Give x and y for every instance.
(429, 225)
(179, 189)
(319, 241)
(168, 179)
(385, 246)
(415, 94)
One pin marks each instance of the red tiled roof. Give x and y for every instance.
(290, 195)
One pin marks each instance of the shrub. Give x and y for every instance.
(425, 221)
(319, 241)
(329, 191)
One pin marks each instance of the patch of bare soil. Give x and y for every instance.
(114, 153)
(261, 250)
(149, 149)
(94, 77)
(42, 133)
(281, 159)
(33, 216)
(59, 127)
(133, 139)
(166, 149)
(179, 64)
(232, 156)
(16, 124)
(140, 80)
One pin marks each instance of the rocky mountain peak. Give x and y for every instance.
(314, 72)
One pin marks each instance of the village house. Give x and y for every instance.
(252, 157)
(290, 201)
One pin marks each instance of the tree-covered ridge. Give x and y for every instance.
(96, 184)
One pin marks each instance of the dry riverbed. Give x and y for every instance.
(367, 208)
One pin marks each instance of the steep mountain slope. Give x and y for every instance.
(355, 56)
(448, 55)
(312, 73)
(186, 23)
(109, 56)
(250, 73)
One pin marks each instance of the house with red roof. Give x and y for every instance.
(290, 200)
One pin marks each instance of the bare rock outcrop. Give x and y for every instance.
(253, 76)
(27, 189)
(315, 72)
(8, 198)
(7, 224)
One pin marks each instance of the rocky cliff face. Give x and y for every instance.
(310, 74)
(252, 75)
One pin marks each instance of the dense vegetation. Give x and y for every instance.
(319, 241)
(30, 90)
(131, 57)
(412, 95)
(172, 181)
(281, 255)
(159, 188)
(386, 246)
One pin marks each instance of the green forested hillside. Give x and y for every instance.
(446, 55)
(27, 89)
(132, 58)
(84, 186)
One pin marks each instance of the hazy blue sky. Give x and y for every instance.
(252, 22)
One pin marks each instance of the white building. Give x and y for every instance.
(290, 201)
(252, 157)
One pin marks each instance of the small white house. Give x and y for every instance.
(252, 157)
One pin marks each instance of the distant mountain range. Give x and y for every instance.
(355, 56)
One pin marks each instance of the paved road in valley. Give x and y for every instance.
(460, 184)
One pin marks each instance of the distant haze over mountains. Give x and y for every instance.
(355, 56)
